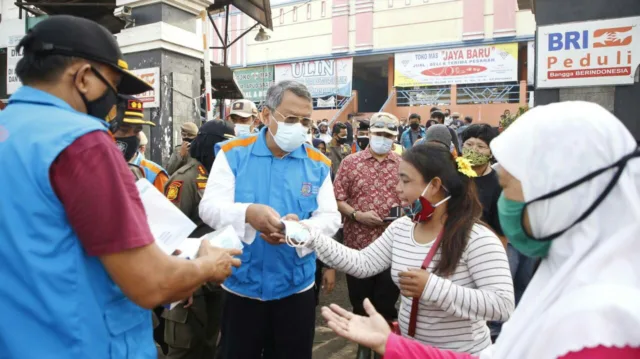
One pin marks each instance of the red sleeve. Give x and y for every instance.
(341, 182)
(99, 195)
(403, 348)
(602, 352)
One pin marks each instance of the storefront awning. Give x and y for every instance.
(259, 10)
(223, 84)
(100, 11)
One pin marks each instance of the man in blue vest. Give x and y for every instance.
(254, 182)
(79, 262)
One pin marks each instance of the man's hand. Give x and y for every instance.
(412, 282)
(369, 218)
(278, 237)
(329, 280)
(184, 148)
(218, 261)
(265, 220)
(188, 302)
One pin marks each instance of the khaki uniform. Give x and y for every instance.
(336, 154)
(176, 161)
(193, 332)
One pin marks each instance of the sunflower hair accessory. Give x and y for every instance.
(464, 167)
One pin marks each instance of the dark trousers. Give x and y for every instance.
(277, 329)
(380, 290)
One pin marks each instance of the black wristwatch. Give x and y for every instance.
(353, 215)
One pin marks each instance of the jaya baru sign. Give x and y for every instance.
(592, 53)
(254, 82)
(322, 77)
(470, 65)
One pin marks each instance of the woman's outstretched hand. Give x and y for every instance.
(371, 331)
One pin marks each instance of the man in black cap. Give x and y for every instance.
(191, 330)
(75, 235)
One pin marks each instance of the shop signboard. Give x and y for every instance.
(468, 65)
(591, 53)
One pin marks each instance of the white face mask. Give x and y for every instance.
(290, 136)
(242, 130)
(380, 145)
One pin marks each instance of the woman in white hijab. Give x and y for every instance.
(570, 177)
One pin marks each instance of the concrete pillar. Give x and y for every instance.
(166, 35)
(523, 93)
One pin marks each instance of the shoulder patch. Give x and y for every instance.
(173, 191)
(202, 171)
(240, 142)
(201, 184)
(315, 155)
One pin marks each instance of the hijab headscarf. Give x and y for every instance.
(210, 133)
(586, 292)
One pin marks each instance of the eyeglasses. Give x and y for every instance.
(305, 121)
(384, 125)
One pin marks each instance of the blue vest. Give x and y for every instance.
(290, 186)
(57, 302)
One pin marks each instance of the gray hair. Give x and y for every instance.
(276, 92)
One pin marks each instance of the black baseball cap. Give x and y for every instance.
(79, 37)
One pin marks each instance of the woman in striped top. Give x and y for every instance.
(468, 281)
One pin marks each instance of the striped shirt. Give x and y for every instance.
(453, 311)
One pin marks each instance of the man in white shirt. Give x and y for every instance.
(254, 182)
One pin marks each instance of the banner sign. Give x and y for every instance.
(151, 98)
(254, 82)
(592, 53)
(469, 65)
(322, 77)
(13, 83)
(330, 102)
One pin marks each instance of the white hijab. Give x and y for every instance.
(587, 291)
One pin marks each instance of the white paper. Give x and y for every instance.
(169, 226)
(222, 238)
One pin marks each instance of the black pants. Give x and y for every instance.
(277, 329)
(380, 290)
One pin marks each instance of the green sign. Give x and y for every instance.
(254, 82)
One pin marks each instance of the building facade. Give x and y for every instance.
(475, 53)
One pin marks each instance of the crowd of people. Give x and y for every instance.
(453, 219)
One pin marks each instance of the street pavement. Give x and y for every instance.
(327, 345)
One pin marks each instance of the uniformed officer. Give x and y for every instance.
(191, 330)
(126, 128)
(243, 115)
(180, 155)
(153, 172)
(255, 181)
